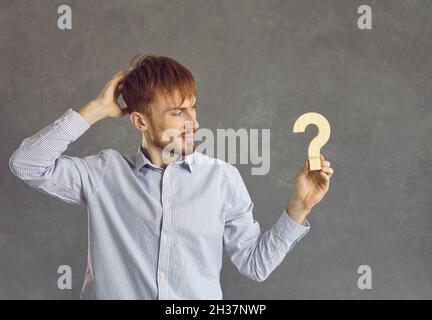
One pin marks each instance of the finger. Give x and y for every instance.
(118, 75)
(305, 166)
(325, 163)
(113, 85)
(325, 176)
(118, 78)
(119, 87)
(304, 170)
(118, 92)
(322, 157)
(107, 85)
(329, 171)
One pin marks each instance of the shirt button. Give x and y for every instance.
(167, 204)
(161, 275)
(164, 238)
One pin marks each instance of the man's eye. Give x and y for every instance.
(178, 113)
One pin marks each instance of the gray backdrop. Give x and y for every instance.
(258, 64)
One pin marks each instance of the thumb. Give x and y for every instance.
(305, 167)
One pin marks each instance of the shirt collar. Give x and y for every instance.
(141, 160)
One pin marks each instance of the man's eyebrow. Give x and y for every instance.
(179, 108)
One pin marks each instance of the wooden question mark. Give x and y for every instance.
(319, 140)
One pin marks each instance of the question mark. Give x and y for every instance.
(319, 140)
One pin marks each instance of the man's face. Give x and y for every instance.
(168, 114)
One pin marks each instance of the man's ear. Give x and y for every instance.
(139, 121)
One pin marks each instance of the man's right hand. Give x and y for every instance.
(106, 104)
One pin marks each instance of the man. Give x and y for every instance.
(159, 220)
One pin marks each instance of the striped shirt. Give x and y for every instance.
(154, 233)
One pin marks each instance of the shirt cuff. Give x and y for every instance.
(73, 124)
(288, 230)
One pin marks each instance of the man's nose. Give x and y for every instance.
(196, 124)
(193, 122)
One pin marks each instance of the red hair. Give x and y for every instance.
(152, 76)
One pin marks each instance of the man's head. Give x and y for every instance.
(160, 95)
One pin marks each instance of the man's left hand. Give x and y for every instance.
(310, 188)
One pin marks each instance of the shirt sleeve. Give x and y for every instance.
(39, 161)
(256, 254)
